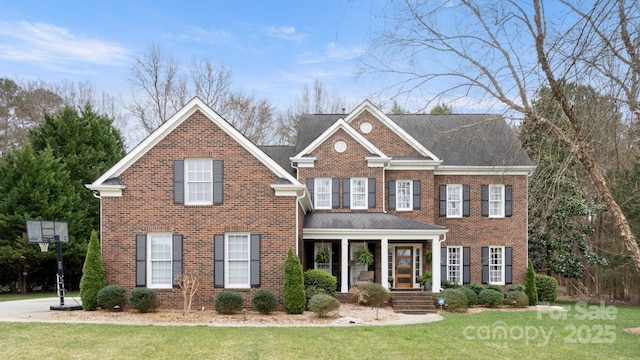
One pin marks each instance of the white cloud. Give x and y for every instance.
(288, 33)
(198, 34)
(51, 46)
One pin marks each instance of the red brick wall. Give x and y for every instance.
(146, 205)
(384, 138)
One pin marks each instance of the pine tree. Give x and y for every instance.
(530, 286)
(92, 275)
(294, 298)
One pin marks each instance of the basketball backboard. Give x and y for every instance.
(45, 231)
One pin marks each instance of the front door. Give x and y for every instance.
(404, 267)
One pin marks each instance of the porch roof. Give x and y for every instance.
(365, 221)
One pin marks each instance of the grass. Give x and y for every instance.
(459, 336)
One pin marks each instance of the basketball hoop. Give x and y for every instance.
(44, 246)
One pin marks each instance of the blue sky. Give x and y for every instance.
(272, 48)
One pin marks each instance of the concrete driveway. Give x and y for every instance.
(24, 310)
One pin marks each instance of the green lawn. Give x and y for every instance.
(568, 335)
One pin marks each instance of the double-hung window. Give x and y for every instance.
(238, 260)
(496, 265)
(159, 272)
(322, 193)
(496, 201)
(454, 264)
(198, 181)
(454, 200)
(404, 197)
(358, 193)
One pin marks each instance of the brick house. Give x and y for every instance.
(439, 193)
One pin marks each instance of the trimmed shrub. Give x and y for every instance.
(497, 288)
(321, 280)
(311, 291)
(472, 297)
(322, 304)
(490, 298)
(475, 287)
(293, 297)
(111, 296)
(515, 288)
(229, 302)
(92, 275)
(530, 286)
(264, 301)
(454, 299)
(372, 294)
(547, 287)
(144, 300)
(517, 299)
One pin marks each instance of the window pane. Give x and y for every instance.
(496, 203)
(454, 264)
(323, 193)
(403, 195)
(237, 259)
(160, 258)
(454, 200)
(199, 183)
(495, 265)
(358, 192)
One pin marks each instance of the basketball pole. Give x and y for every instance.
(60, 277)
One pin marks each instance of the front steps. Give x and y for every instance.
(413, 302)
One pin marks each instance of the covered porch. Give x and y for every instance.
(401, 248)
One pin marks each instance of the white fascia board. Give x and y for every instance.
(367, 105)
(168, 126)
(484, 170)
(374, 161)
(372, 234)
(303, 162)
(107, 190)
(339, 124)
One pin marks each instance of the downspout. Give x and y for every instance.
(96, 194)
(298, 197)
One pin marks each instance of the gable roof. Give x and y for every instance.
(104, 182)
(464, 140)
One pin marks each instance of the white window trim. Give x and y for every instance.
(316, 184)
(410, 207)
(501, 215)
(502, 270)
(227, 283)
(187, 198)
(460, 266)
(460, 202)
(150, 283)
(366, 194)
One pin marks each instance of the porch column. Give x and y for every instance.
(384, 263)
(344, 266)
(435, 264)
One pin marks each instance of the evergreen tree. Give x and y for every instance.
(294, 298)
(530, 285)
(92, 275)
(33, 185)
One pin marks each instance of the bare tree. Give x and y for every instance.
(211, 83)
(317, 100)
(507, 50)
(158, 89)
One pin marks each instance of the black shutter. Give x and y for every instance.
(178, 181)
(335, 193)
(443, 200)
(218, 260)
(508, 265)
(443, 264)
(255, 260)
(416, 195)
(485, 265)
(372, 193)
(466, 265)
(309, 255)
(177, 258)
(141, 260)
(466, 201)
(508, 200)
(392, 195)
(346, 195)
(335, 262)
(310, 185)
(485, 200)
(218, 176)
